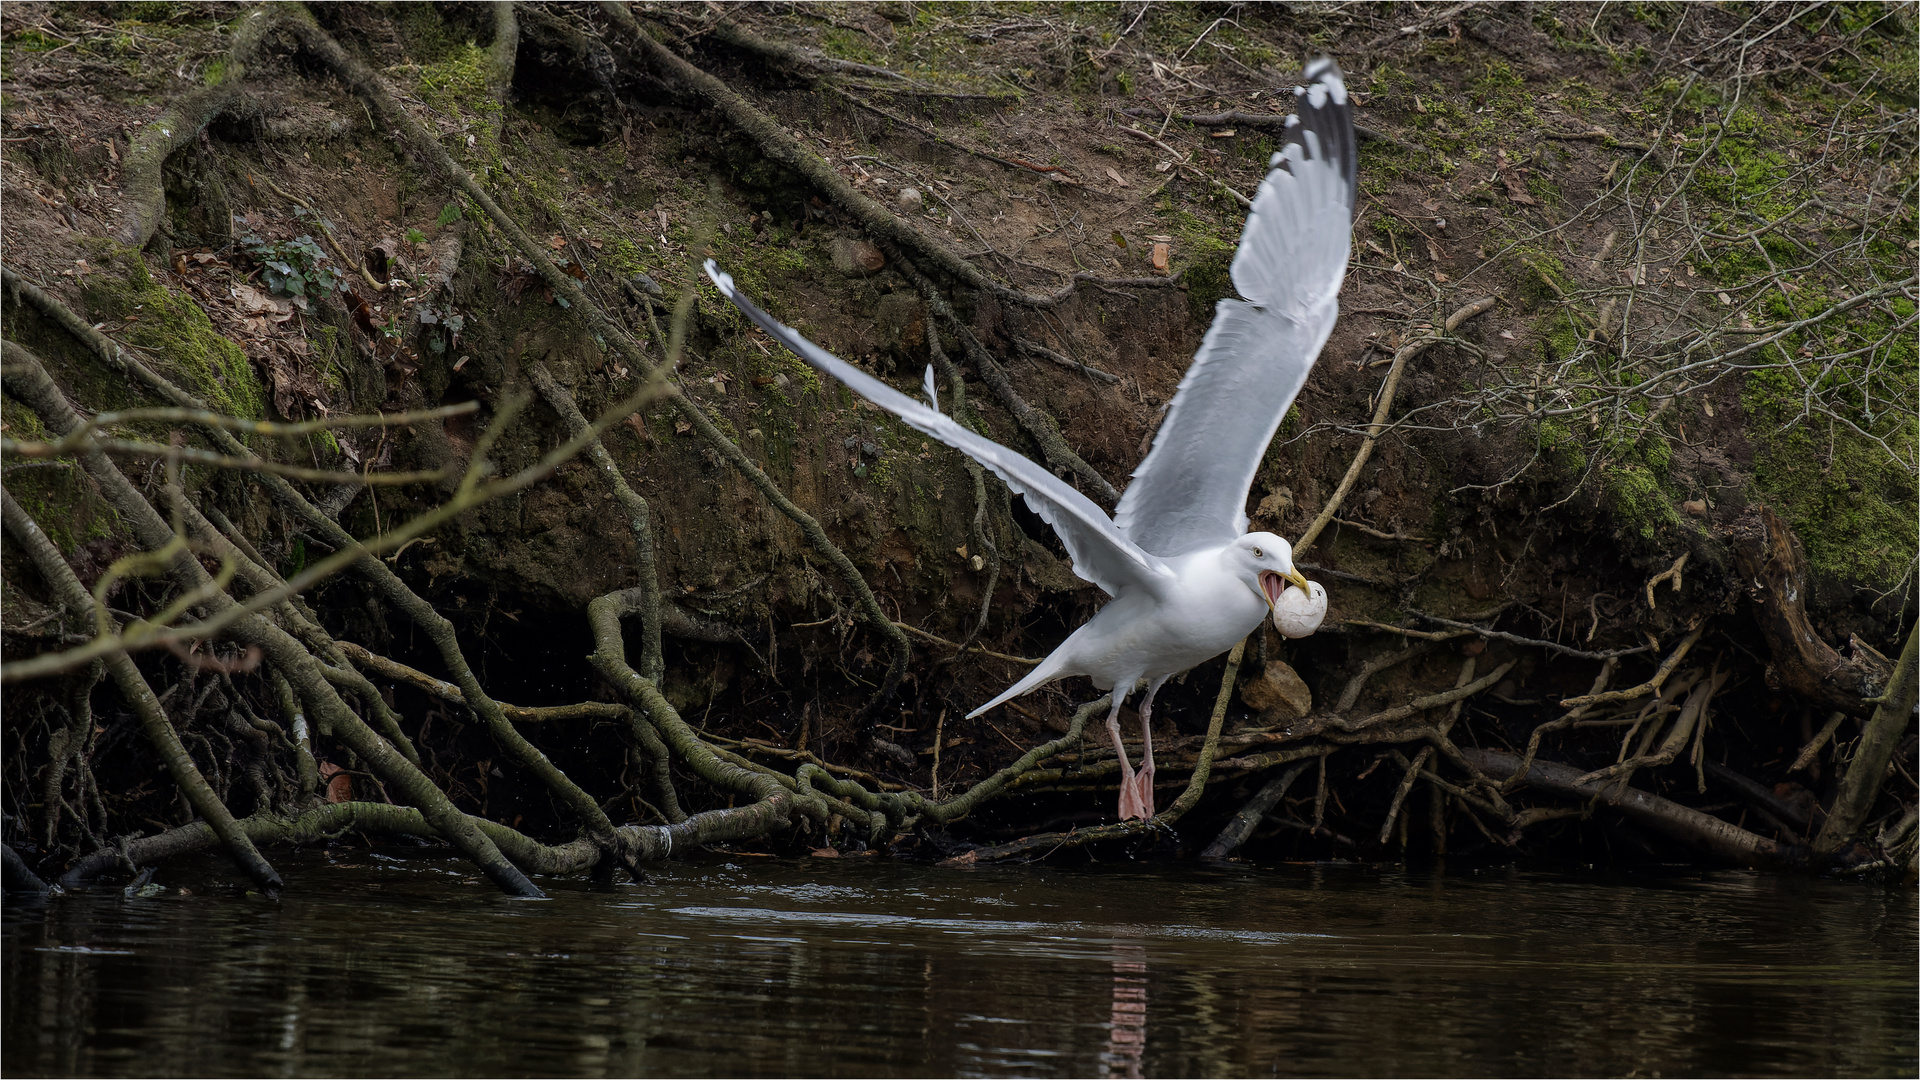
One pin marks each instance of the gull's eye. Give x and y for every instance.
(1258, 554)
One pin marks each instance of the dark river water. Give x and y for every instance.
(401, 964)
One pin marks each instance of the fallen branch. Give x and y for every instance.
(1249, 816)
(1868, 769)
(1703, 831)
(448, 692)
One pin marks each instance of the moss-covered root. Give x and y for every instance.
(504, 52)
(19, 877)
(647, 843)
(1861, 786)
(579, 306)
(639, 517)
(395, 591)
(133, 687)
(172, 130)
(773, 800)
(27, 378)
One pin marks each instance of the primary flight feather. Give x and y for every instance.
(1187, 580)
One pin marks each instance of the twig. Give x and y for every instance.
(938, 640)
(1400, 793)
(1042, 351)
(1812, 749)
(1671, 573)
(1379, 425)
(1181, 160)
(1645, 688)
(1579, 654)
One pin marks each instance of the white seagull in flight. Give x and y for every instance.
(1187, 580)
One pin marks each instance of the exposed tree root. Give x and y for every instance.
(133, 686)
(579, 306)
(28, 380)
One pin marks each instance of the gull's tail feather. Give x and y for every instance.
(1053, 667)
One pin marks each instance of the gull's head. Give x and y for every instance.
(1267, 561)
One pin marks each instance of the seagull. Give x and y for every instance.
(1187, 580)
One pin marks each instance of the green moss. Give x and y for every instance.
(175, 330)
(458, 83)
(622, 255)
(1853, 505)
(1542, 278)
(54, 493)
(1208, 275)
(1640, 504)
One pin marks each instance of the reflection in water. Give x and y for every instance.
(872, 967)
(1127, 1043)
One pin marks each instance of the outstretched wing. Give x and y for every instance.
(1191, 491)
(1099, 552)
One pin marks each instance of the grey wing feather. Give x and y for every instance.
(1099, 552)
(1191, 490)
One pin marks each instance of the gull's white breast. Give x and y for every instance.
(1199, 614)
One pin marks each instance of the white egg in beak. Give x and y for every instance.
(1298, 613)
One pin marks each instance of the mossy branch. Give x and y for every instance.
(28, 379)
(133, 687)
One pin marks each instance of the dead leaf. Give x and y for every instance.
(1160, 258)
(1515, 189)
(255, 302)
(557, 242)
(682, 428)
(638, 425)
(1116, 178)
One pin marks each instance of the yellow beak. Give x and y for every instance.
(1298, 579)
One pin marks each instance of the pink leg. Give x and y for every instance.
(1143, 781)
(1129, 796)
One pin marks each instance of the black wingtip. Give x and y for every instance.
(1322, 107)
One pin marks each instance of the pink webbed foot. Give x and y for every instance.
(1143, 789)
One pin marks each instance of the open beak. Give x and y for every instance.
(1273, 584)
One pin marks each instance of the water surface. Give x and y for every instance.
(375, 964)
